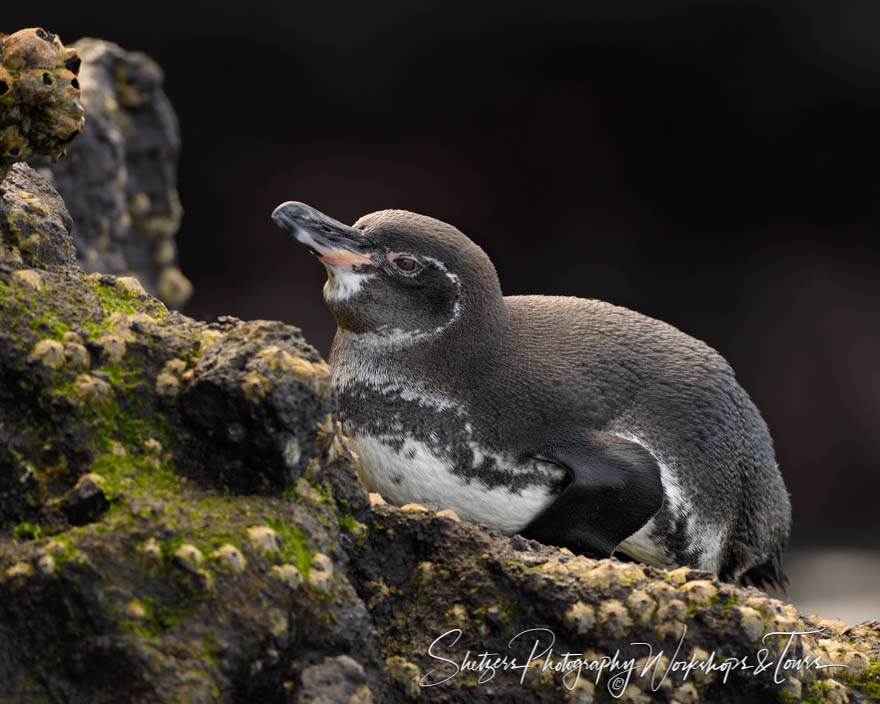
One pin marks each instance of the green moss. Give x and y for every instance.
(67, 552)
(113, 300)
(118, 376)
(49, 315)
(158, 618)
(294, 546)
(210, 651)
(209, 540)
(137, 476)
(347, 522)
(728, 603)
(27, 531)
(21, 303)
(63, 384)
(785, 696)
(869, 680)
(49, 324)
(171, 545)
(509, 614)
(325, 491)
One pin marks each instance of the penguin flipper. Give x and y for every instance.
(615, 489)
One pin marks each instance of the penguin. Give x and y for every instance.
(570, 421)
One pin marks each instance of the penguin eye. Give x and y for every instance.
(406, 264)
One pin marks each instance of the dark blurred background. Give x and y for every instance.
(711, 164)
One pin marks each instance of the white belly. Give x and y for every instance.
(415, 474)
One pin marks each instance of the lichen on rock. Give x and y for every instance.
(40, 109)
(35, 226)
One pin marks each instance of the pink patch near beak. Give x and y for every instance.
(343, 259)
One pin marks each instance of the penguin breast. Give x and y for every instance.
(407, 470)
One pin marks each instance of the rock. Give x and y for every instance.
(251, 435)
(230, 558)
(46, 564)
(167, 384)
(152, 550)
(85, 503)
(49, 353)
(582, 616)
(92, 388)
(640, 606)
(413, 508)
(406, 674)
(19, 569)
(77, 356)
(120, 179)
(189, 557)
(264, 539)
(339, 679)
(321, 572)
(614, 618)
(136, 610)
(699, 591)
(31, 277)
(288, 574)
(112, 346)
(172, 287)
(130, 285)
(40, 109)
(449, 513)
(33, 237)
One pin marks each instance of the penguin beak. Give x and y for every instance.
(336, 245)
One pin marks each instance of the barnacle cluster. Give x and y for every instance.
(40, 109)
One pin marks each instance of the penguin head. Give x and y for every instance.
(395, 275)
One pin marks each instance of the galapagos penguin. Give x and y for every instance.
(572, 421)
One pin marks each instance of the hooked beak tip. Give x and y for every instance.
(336, 244)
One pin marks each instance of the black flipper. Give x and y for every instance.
(615, 489)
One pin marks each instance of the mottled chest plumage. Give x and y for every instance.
(417, 445)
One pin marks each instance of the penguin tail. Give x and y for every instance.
(745, 566)
(767, 575)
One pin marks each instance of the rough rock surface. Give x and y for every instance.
(119, 179)
(180, 521)
(40, 109)
(34, 222)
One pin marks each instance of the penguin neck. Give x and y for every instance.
(458, 352)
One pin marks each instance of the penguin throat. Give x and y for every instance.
(344, 284)
(362, 318)
(392, 336)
